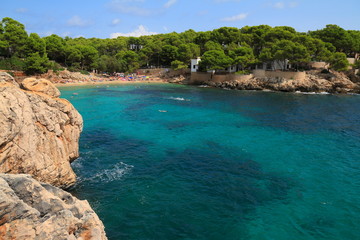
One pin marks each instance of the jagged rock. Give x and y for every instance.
(40, 85)
(30, 210)
(334, 82)
(7, 78)
(39, 135)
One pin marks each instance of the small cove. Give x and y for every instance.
(163, 161)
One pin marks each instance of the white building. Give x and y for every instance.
(195, 64)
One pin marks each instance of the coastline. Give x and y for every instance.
(115, 82)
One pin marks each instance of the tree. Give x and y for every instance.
(266, 55)
(34, 44)
(339, 62)
(226, 35)
(211, 45)
(168, 54)
(279, 33)
(243, 56)
(215, 60)
(286, 50)
(129, 61)
(13, 36)
(256, 35)
(188, 51)
(73, 56)
(89, 56)
(108, 64)
(337, 36)
(36, 64)
(177, 65)
(55, 48)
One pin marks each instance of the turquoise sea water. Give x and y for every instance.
(166, 161)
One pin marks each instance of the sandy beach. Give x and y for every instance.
(117, 82)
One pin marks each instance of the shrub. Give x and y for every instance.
(36, 64)
(243, 72)
(13, 63)
(84, 72)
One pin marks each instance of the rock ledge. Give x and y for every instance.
(32, 210)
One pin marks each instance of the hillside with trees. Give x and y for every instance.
(219, 48)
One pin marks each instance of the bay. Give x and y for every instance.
(163, 161)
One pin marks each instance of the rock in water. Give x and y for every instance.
(32, 210)
(39, 133)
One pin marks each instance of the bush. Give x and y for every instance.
(339, 62)
(84, 72)
(75, 67)
(35, 64)
(177, 65)
(243, 72)
(13, 63)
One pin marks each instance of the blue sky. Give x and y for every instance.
(111, 18)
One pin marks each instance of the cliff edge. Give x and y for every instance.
(39, 132)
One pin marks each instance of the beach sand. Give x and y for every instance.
(107, 83)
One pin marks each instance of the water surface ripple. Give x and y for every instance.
(179, 162)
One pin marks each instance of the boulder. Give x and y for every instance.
(7, 78)
(33, 210)
(40, 85)
(39, 135)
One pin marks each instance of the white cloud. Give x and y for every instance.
(283, 5)
(222, 1)
(140, 31)
(22, 10)
(115, 22)
(77, 21)
(169, 3)
(279, 5)
(129, 7)
(238, 17)
(293, 4)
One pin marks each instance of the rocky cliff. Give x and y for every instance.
(314, 81)
(30, 210)
(39, 132)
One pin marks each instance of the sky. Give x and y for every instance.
(112, 18)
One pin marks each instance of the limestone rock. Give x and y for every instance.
(32, 210)
(39, 135)
(40, 85)
(6, 78)
(334, 82)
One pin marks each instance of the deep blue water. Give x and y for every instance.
(166, 161)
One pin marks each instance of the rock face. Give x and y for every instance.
(40, 85)
(32, 210)
(39, 133)
(6, 78)
(333, 82)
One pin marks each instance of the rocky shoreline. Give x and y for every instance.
(315, 81)
(39, 136)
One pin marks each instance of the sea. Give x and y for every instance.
(166, 161)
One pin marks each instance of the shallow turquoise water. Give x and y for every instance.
(180, 162)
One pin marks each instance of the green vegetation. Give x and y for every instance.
(218, 49)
